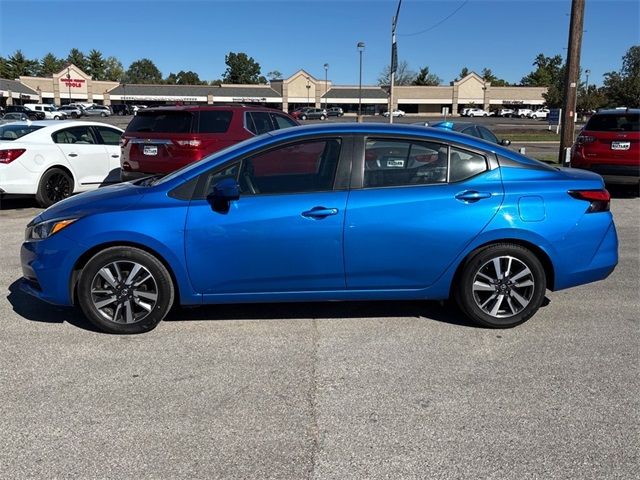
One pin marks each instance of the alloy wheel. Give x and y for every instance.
(58, 187)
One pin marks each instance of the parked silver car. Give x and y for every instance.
(97, 110)
(71, 111)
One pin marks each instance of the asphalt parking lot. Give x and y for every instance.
(325, 391)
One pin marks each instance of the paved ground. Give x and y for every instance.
(325, 391)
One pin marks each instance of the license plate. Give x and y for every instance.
(395, 163)
(150, 150)
(620, 145)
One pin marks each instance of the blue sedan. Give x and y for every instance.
(331, 212)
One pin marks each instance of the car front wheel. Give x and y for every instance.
(303, 117)
(125, 290)
(501, 286)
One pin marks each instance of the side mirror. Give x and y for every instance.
(225, 190)
(505, 142)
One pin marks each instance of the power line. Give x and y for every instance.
(435, 24)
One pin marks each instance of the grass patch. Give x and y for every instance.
(544, 136)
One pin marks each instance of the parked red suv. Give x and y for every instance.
(609, 144)
(163, 139)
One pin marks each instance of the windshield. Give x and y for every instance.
(13, 131)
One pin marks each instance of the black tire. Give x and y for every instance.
(500, 303)
(322, 117)
(55, 185)
(103, 114)
(303, 117)
(133, 297)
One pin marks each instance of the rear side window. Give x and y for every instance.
(81, 135)
(214, 121)
(259, 122)
(622, 122)
(464, 164)
(161, 122)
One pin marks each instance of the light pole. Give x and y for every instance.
(587, 72)
(326, 83)
(308, 89)
(394, 60)
(124, 98)
(69, 83)
(360, 50)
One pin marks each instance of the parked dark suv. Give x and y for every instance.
(32, 114)
(609, 144)
(163, 139)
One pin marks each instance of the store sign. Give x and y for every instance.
(73, 82)
(248, 99)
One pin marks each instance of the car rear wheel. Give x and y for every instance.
(303, 117)
(125, 290)
(501, 286)
(103, 114)
(322, 117)
(55, 185)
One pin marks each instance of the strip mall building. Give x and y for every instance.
(300, 89)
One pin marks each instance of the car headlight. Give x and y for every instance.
(42, 230)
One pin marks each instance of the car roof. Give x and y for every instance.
(198, 108)
(65, 123)
(618, 111)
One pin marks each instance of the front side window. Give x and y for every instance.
(302, 167)
(488, 135)
(390, 163)
(109, 136)
(280, 121)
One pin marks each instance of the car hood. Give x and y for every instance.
(114, 197)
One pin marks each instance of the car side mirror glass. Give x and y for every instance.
(226, 190)
(505, 142)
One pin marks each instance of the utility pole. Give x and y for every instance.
(394, 60)
(571, 78)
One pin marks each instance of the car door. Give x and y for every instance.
(419, 205)
(87, 158)
(284, 234)
(110, 138)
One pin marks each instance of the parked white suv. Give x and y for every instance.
(50, 111)
(540, 113)
(477, 112)
(522, 112)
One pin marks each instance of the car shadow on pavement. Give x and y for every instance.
(444, 312)
(35, 310)
(624, 191)
(17, 203)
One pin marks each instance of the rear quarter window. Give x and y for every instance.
(161, 122)
(623, 122)
(214, 121)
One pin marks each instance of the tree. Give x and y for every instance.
(274, 75)
(18, 65)
(463, 73)
(242, 69)
(404, 75)
(78, 59)
(172, 79)
(427, 78)
(143, 71)
(4, 68)
(113, 69)
(488, 76)
(50, 64)
(96, 65)
(188, 78)
(547, 72)
(623, 88)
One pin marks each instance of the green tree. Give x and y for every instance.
(78, 59)
(427, 78)
(242, 69)
(274, 75)
(547, 71)
(113, 69)
(172, 79)
(463, 73)
(96, 65)
(50, 64)
(404, 75)
(143, 71)
(19, 65)
(623, 88)
(4, 68)
(488, 76)
(188, 78)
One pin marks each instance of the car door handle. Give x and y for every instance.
(73, 154)
(320, 212)
(470, 196)
(115, 156)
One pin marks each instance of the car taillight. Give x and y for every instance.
(189, 143)
(582, 139)
(8, 156)
(599, 200)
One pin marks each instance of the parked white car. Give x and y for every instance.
(396, 113)
(477, 112)
(50, 111)
(504, 112)
(54, 159)
(522, 112)
(540, 113)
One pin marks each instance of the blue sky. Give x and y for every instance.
(503, 35)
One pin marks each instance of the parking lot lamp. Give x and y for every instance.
(124, 97)
(69, 83)
(326, 83)
(587, 72)
(308, 89)
(360, 50)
